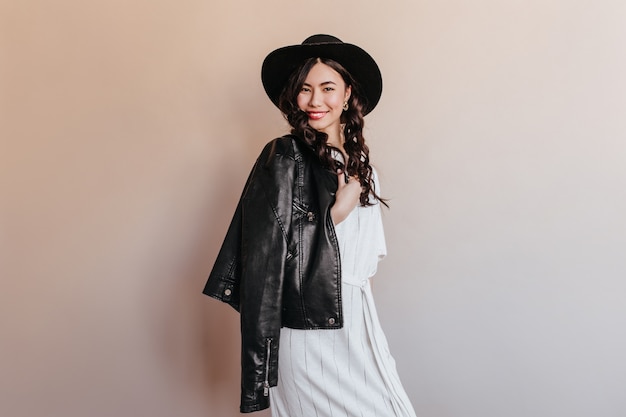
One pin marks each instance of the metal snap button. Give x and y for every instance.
(331, 321)
(228, 291)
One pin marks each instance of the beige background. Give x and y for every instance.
(127, 131)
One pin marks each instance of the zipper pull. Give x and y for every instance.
(266, 383)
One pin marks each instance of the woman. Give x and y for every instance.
(305, 239)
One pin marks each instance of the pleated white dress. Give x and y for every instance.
(345, 372)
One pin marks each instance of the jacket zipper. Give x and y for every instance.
(266, 383)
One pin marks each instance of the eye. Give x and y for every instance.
(305, 90)
(328, 89)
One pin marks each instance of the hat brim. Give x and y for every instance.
(281, 63)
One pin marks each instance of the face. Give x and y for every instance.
(322, 97)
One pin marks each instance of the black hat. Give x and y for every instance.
(281, 63)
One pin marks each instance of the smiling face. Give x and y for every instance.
(322, 97)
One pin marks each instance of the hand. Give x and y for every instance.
(346, 198)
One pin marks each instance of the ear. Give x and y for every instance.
(348, 93)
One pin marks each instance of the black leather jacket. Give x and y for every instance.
(279, 264)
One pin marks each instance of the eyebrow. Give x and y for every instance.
(324, 83)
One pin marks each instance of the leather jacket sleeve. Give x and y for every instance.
(250, 268)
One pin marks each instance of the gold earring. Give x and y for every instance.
(345, 105)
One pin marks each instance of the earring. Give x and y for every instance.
(345, 105)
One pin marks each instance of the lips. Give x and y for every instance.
(316, 115)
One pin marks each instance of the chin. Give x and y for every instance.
(323, 127)
(318, 127)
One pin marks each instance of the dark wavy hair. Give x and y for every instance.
(352, 119)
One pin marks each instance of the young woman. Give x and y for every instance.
(305, 239)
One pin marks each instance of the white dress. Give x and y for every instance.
(345, 372)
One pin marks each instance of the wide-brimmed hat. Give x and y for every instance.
(281, 63)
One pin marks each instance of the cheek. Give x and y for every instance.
(301, 101)
(337, 100)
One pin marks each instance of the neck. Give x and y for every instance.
(335, 139)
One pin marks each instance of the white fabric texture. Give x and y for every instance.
(345, 372)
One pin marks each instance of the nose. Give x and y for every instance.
(315, 98)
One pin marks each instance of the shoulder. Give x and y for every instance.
(374, 172)
(284, 145)
(288, 146)
(375, 179)
(276, 147)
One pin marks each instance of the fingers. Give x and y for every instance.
(352, 180)
(341, 179)
(346, 178)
